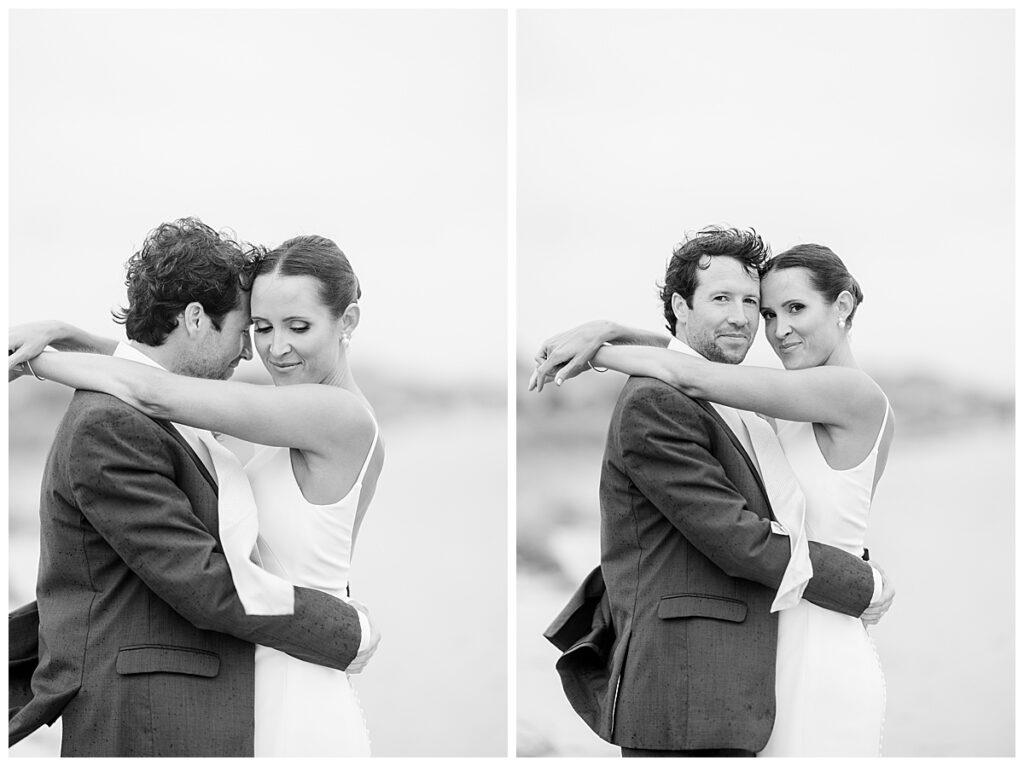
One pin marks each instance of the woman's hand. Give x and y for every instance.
(568, 353)
(27, 341)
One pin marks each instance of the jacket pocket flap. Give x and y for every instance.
(167, 659)
(715, 607)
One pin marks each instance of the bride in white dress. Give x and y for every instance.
(835, 426)
(312, 479)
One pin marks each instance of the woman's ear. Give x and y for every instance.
(350, 319)
(844, 305)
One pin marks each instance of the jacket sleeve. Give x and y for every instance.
(667, 452)
(122, 478)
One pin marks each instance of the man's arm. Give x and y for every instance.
(122, 480)
(667, 453)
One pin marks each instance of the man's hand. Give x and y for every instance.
(363, 657)
(875, 610)
(568, 353)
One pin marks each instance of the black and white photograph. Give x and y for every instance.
(511, 380)
(765, 383)
(258, 489)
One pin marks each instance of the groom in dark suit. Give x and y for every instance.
(669, 647)
(138, 639)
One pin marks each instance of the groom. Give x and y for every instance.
(138, 639)
(669, 647)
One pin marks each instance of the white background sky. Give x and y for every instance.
(885, 135)
(385, 131)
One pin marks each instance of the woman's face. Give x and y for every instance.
(295, 334)
(801, 326)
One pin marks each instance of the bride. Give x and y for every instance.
(836, 427)
(313, 477)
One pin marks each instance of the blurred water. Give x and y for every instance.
(942, 528)
(430, 564)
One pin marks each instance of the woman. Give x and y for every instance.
(312, 481)
(836, 427)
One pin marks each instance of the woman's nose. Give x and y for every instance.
(278, 346)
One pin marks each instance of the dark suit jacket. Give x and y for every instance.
(143, 646)
(671, 645)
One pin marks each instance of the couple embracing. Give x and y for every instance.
(188, 605)
(728, 616)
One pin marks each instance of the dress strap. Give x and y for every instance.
(885, 421)
(373, 447)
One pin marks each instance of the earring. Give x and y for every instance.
(840, 322)
(346, 340)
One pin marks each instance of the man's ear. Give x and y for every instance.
(681, 310)
(192, 318)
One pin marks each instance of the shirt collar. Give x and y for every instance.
(127, 351)
(677, 345)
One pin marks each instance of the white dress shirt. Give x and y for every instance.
(735, 421)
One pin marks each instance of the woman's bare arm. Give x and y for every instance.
(832, 395)
(308, 417)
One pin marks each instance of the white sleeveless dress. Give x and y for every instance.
(304, 709)
(829, 687)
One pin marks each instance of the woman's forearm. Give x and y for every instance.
(133, 383)
(678, 370)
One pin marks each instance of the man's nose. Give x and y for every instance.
(247, 346)
(737, 315)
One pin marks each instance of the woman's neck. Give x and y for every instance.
(842, 356)
(341, 377)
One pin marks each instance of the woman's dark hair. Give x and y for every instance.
(180, 263)
(320, 258)
(828, 273)
(696, 253)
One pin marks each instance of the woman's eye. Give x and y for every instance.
(261, 330)
(795, 307)
(300, 328)
(767, 315)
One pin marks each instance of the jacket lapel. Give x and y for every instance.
(706, 406)
(188, 449)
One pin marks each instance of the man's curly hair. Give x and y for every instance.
(696, 253)
(180, 263)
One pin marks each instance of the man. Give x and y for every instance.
(144, 648)
(669, 648)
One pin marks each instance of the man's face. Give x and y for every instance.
(722, 323)
(216, 353)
